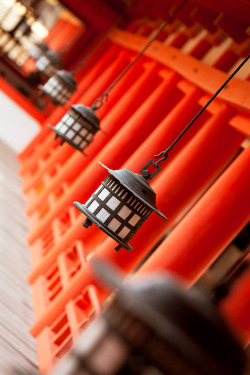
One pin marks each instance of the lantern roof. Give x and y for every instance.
(43, 47)
(88, 114)
(67, 78)
(137, 185)
(54, 57)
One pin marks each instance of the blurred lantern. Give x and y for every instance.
(11, 39)
(60, 87)
(5, 7)
(48, 63)
(125, 200)
(154, 327)
(88, 121)
(120, 205)
(77, 127)
(13, 16)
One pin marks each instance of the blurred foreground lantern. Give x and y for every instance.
(120, 205)
(154, 327)
(78, 127)
(60, 87)
(48, 63)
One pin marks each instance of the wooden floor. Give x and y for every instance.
(18, 352)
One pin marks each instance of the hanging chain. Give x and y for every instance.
(100, 101)
(97, 45)
(148, 175)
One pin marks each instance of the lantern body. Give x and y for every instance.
(120, 205)
(78, 127)
(48, 63)
(60, 87)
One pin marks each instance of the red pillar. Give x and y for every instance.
(209, 227)
(236, 308)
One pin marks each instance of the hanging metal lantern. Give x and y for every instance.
(60, 87)
(155, 327)
(38, 50)
(48, 63)
(120, 205)
(78, 127)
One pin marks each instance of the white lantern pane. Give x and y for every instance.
(124, 212)
(94, 205)
(58, 86)
(109, 356)
(76, 126)
(103, 215)
(124, 232)
(83, 132)
(70, 134)
(52, 81)
(134, 219)
(98, 189)
(114, 225)
(70, 120)
(77, 140)
(55, 90)
(103, 194)
(113, 203)
(65, 118)
(58, 126)
(63, 129)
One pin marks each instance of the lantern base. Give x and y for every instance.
(93, 219)
(59, 135)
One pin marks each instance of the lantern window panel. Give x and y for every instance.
(124, 212)
(90, 137)
(93, 207)
(103, 215)
(114, 224)
(65, 118)
(57, 98)
(86, 124)
(103, 194)
(113, 202)
(134, 220)
(59, 87)
(70, 134)
(124, 232)
(76, 126)
(109, 356)
(83, 132)
(63, 129)
(73, 115)
(77, 140)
